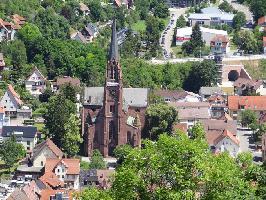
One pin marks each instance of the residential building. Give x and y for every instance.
(78, 37)
(18, 20)
(218, 106)
(211, 16)
(4, 120)
(221, 136)
(177, 96)
(236, 104)
(60, 81)
(127, 3)
(2, 62)
(33, 166)
(36, 82)
(192, 112)
(84, 9)
(61, 173)
(113, 115)
(26, 135)
(244, 86)
(45, 150)
(7, 30)
(184, 34)
(264, 44)
(89, 32)
(11, 101)
(220, 44)
(180, 127)
(96, 177)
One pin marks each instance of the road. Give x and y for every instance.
(183, 60)
(168, 34)
(247, 144)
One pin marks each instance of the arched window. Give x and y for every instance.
(111, 130)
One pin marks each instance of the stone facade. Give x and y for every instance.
(117, 118)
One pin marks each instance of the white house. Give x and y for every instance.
(11, 101)
(227, 142)
(26, 135)
(35, 83)
(184, 34)
(4, 120)
(63, 172)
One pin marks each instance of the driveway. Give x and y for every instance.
(168, 36)
(247, 144)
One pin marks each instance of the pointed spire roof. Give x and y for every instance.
(113, 52)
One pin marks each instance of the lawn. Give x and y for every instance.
(257, 71)
(139, 26)
(177, 51)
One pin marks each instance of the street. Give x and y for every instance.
(247, 144)
(167, 35)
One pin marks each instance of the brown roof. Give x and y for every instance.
(194, 113)
(47, 193)
(72, 165)
(220, 125)
(18, 195)
(243, 82)
(216, 97)
(239, 68)
(31, 190)
(63, 80)
(173, 94)
(247, 102)
(15, 94)
(47, 143)
(51, 180)
(220, 38)
(189, 104)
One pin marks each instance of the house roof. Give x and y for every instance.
(27, 131)
(211, 10)
(91, 29)
(31, 190)
(209, 16)
(18, 195)
(215, 98)
(35, 69)
(184, 105)
(219, 125)
(78, 36)
(47, 143)
(174, 95)
(248, 102)
(132, 96)
(14, 94)
(220, 38)
(210, 90)
(226, 134)
(72, 165)
(47, 193)
(83, 7)
(243, 82)
(187, 31)
(63, 80)
(180, 126)
(238, 68)
(51, 180)
(113, 51)
(194, 113)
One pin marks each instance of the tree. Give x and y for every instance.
(29, 33)
(97, 161)
(258, 8)
(248, 117)
(239, 20)
(161, 10)
(44, 97)
(70, 92)
(181, 22)
(160, 119)
(196, 37)
(72, 139)
(52, 25)
(197, 131)
(93, 193)
(226, 7)
(11, 151)
(246, 41)
(203, 73)
(59, 110)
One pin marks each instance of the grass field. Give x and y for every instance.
(177, 51)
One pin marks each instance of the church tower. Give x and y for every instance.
(113, 99)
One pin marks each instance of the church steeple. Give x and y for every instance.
(113, 52)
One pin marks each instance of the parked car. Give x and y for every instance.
(163, 40)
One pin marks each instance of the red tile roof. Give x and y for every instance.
(226, 134)
(51, 180)
(47, 193)
(180, 126)
(247, 102)
(243, 82)
(63, 80)
(72, 165)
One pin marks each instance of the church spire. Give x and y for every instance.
(113, 52)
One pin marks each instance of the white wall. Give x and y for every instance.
(41, 158)
(228, 145)
(9, 102)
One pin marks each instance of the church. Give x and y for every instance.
(113, 115)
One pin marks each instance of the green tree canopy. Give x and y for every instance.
(29, 33)
(11, 151)
(181, 22)
(246, 41)
(97, 161)
(59, 110)
(239, 20)
(248, 117)
(160, 119)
